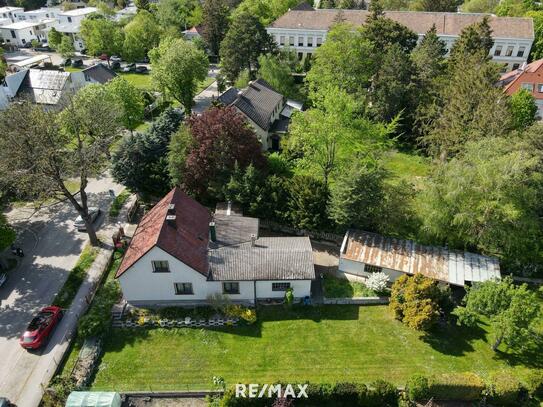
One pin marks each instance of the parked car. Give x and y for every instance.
(3, 278)
(103, 57)
(144, 60)
(115, 65)
(80, 224)
(40, 328)
(66, 62)
(115, 58)
(129, 67)
(141, 69)
(43, 48)
(77, 63)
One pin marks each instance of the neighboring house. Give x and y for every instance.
(529, 77)
(45, 87)
(21, 33)
(363, 253)
(126, 12)
(181, 254)
(266, 110)
(69, 23)
(305, 30)
(10, 13)
(39, 14)
(98, 73)
(193, 33)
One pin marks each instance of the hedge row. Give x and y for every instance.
(501, 389)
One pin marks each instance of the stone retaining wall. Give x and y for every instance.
(177, 323)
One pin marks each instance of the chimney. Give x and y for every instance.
(212, 231)
(170, 220)
(253, 239)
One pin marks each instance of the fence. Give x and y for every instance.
(324, 237)
(356, 301)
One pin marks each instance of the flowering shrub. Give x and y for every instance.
(377, 282)
(249, 316)
(239, 311)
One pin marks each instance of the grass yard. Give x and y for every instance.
(320, 344)
(139, 80)
(342, 288)
(409, 167)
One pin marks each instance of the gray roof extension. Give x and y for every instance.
(99, 73)
(43, 86)
(271, 258)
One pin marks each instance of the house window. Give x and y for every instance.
(498, 50)
(521, 51)
(368, 268)
(509, 51)
(24, 41)
(282, 40)
(291, 40)
(230, 288)
(319, 41)
(300, 56)
(69, 19)
(527, 86)
(13, 34)
(280, 286)
(300, 41)
(540, 87)
(515, 66)
(309, 41)
(183, 288)
(160, 266)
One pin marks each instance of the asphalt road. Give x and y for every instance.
(52, 247)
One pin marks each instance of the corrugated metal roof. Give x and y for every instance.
(410, 257)
(271, 258)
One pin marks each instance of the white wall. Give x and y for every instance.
(301, 288)
(357, 268)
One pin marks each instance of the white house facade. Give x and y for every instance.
(22, 33)
(10, 13)
(181, 254)
(305, 30)
(69, 23)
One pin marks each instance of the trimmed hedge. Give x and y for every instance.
(505, 390)
(457, 386)
(418, 388)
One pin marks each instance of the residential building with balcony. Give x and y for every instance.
(304, 30)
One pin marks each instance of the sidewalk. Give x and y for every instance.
(64, 333)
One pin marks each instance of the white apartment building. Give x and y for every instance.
(305, 30)
(69, 22)
(22, 33)
(10, 13)
(39, 14)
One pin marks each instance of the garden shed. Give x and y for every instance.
(93, 399)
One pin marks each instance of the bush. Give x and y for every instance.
(377, 282)
(534, 383)
(457, 386)
(382, 394)
(97, 320)
(418, 388)
(505, 389)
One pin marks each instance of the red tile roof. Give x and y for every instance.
(511, 77)
(187, 241)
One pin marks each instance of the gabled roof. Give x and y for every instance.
(509, 78)
(99, 73)
(419, 22)
(43, 86)
(409, 257)
(187, 241)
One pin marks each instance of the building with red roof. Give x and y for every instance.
(529, 77)
(181, 254)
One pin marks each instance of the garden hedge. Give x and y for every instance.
(456, 386)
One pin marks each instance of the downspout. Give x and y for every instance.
(254, 286)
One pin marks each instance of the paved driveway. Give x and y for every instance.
(52, 247)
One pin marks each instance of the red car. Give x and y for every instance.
(40, 327)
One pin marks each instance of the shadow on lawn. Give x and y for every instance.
(531, 356)
(454, 340)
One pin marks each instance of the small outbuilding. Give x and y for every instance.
(363, 253)
(93, 399)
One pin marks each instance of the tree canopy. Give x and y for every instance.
(102, 36)
(141, 35)
(215, 23)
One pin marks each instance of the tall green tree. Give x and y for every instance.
(131, 100)
(513, 311)
(516, 8)
(54, 38)
(3, 65)
(142, 4)
(140, 161)
(523, 109)
(215, 23)
(180, 144)
(356, 198)
(265, 10)
(537, 46)
(436, 5)
(486, 200)
(474, 39)
(141, 35)
(277, 74)
(66, 47)
(7, 233)
(177, 68)
(102, 36)
(244, 42)
(308, 199)
(344, 61)
(479, 6)
(175, 16)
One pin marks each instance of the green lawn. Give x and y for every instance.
(342, 288)
(409, 167)
(139, 80)
(320, 344)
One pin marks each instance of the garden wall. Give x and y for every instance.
(356, 301)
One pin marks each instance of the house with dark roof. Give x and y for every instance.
(181, 253)
(266, 110)
(305, 29)
(528, 77)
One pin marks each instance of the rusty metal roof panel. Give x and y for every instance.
(410, 257)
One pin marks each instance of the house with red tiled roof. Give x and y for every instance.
(529, 77)
(181, 254)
